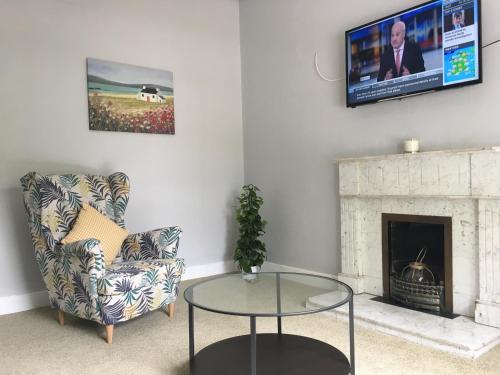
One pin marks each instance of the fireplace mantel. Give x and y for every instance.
(461, 184)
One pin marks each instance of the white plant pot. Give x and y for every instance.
(251, 276)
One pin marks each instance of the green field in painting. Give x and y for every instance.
(123, 103)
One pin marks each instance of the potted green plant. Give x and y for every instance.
(250, 251)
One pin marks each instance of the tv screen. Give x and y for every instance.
(433, 46)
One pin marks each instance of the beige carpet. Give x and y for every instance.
(32, 342)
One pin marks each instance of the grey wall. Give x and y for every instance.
(296, 125)
(189, 179)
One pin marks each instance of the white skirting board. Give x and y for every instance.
(211, 269)
(23, 302)
(275, 267)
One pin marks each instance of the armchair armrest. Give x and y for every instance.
(85, 255)
(78, 269)
(155, 244)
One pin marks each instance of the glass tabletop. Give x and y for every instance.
(268, 294)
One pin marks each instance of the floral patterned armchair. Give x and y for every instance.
(144, 276)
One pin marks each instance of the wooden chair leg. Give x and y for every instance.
(61, 317)
(170, 310)
(109, 334)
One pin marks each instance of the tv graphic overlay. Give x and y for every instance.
(429, 47)
(460, 63)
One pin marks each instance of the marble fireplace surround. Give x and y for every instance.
(461, 184)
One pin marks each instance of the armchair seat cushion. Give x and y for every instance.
(124, 277)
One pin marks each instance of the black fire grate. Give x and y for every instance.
(421, 295)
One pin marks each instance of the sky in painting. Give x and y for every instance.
(125, 73)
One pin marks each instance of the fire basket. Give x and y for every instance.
(416, 286)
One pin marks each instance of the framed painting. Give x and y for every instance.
(128, 98)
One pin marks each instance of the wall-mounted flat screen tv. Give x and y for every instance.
(433, 46)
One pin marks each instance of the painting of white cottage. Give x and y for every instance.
(150, 95)
(129, 98)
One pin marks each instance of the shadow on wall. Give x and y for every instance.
(232, 225)
(336, 208)
(21, 248)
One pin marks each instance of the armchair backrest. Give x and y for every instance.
(52, 203)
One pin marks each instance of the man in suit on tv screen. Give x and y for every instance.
(458, 20)
(402, 57)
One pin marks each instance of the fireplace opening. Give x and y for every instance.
(417, 261)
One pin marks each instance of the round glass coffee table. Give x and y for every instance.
(268, 294)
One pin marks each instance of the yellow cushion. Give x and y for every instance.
(90, 223)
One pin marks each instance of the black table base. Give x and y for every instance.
(276, 355)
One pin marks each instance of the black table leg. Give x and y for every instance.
(351, 335)
(191, 334)
(253, 347)
(278, 301)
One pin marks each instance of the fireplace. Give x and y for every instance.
(417, 261)
(461, 184)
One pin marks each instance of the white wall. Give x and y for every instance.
(296, 125)
(189, 179)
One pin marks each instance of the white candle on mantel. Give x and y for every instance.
(411, 145)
